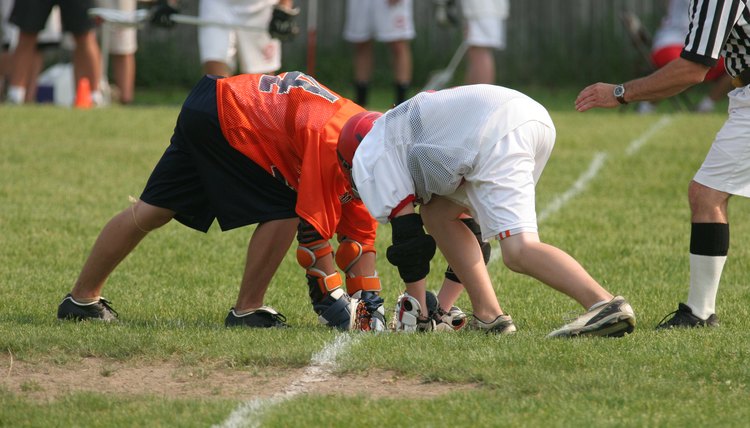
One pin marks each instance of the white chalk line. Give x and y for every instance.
(321, 366)
(249, 413)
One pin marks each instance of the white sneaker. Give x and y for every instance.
(612, 319)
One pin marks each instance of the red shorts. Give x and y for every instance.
(661, 57)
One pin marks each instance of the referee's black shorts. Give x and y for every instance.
(202, 178)
(31, 15)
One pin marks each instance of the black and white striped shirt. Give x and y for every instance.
(719, 28)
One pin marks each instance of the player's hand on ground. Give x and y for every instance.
(283, 25)
(596, 95)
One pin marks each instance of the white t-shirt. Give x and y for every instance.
(431, 143)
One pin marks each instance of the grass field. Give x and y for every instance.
(613, 195)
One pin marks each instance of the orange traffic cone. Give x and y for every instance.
(83, 94)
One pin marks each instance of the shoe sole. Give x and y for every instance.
(617, 326)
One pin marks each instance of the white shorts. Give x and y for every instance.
(379, 20)
(251, 51)
(122, 40)
(500, 192)
(727, 165)
(485, 22)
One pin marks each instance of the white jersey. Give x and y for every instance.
(430, 144)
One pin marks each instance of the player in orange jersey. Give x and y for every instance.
(255, 149)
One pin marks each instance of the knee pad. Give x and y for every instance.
(412, 248)
(349, 253)
(309, 253)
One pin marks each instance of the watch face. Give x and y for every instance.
(619, 90)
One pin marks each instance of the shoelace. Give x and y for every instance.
(674, 314)
(277, 317)
(107, 304)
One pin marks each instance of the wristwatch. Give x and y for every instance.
(619, 93)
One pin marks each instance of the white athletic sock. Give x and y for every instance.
(705, 273)
(16, 94)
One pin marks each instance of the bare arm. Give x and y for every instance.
(667, 81)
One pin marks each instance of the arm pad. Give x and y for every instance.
(412, 248)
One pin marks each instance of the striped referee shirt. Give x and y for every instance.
(719, 28)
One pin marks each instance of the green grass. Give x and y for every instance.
(66, 172)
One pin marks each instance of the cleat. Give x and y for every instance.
(263, 317)
(612, 319)
(334, 309)
(683, 318)
(367, 313)
(503, 324)
(407, 314)
(100, 310)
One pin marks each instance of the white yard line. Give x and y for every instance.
(636, 144)
(249, 413)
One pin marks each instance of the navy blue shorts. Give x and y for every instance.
(202, 177)
(31, 15)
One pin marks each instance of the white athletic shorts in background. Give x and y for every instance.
(122, 40)
(250, 51)
(727, 165)
(500, 192)
(379, 20)
(485, 22)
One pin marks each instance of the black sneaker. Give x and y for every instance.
(263, 317)
(101, 310)
(683, 318)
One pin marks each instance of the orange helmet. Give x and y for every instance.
(352, 134)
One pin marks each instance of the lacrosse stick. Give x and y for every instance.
(441, 78)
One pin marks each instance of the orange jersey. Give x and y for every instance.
(289, 125)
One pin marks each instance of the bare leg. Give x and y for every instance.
(116, 240)
(123, 67)
(461, 250)
(216, 68)
(363, 61)
(524, 253)
(449, 293)
(481, 66)
(265, 252)
(23, 59)
(402, 61)
(86, 59)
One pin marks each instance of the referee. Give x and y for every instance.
(717, 28)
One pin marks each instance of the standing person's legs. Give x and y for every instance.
(23, 66)
(363, 64)
(402, 68)
(724, 172)
(480, 67)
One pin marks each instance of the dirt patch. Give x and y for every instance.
(47, 382)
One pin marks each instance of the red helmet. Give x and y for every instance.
(352, 134)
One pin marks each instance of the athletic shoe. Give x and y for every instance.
(683, 318)
(335, 309)
(263, 317)
(613, 319)
(503, 324)
(101, 310)
(368, 313)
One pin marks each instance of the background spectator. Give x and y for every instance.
(30, 16)
(223, 51)
(485, 32)
(387, 21)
